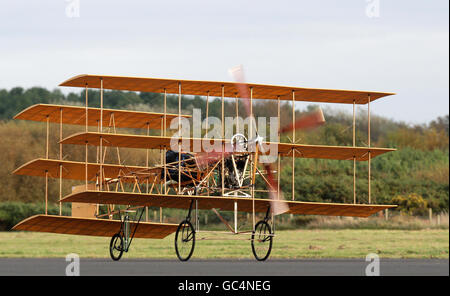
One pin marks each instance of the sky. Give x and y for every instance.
(399, 46)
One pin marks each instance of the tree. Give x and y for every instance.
(412, 204)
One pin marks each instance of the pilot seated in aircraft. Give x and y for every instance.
(187, 160)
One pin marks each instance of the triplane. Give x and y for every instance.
(112, 200)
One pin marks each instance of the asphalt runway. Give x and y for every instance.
(153, 267)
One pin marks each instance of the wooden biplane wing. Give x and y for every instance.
(230, 89)
(111, 117)
(223, 203)
(331, 152)
(77, 170)
(285, 149)
(91, 226)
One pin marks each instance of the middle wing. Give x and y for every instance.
(284, 149)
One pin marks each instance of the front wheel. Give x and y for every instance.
(116, 247)
(262, 240)
(185, 240)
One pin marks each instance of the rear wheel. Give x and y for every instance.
(262, 240)
(116, 247)
(185, 240)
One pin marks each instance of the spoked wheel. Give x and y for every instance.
(262, 241)
(185, 240)
(116, 247)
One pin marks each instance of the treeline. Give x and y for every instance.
(419, 168)
(337, 131)
(18, 98)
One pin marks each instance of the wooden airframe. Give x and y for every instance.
(195, 187)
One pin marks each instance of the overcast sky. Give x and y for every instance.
(397, 46)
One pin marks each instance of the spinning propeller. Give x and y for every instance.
(308, 121)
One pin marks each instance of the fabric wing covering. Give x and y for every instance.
(223, 203)
(284, 149)
(201, 88)
(91, 226)
(111, 117)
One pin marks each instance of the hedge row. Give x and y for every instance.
(12, 213)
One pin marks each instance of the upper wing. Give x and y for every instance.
(214, 88)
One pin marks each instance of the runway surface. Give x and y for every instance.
(303, 267)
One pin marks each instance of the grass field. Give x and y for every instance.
(432, 243)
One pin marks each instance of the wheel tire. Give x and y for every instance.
(184, 239)
(116, 247)
(262, 236)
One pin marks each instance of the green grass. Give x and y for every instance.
(432, 243)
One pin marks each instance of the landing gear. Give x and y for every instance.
(262, 238)
(185, 238)
(121, 241)
(116, 247)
